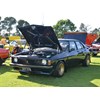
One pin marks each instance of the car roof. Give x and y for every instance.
(68, 39)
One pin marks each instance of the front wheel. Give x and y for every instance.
(60, 69)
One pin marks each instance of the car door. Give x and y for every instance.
(80, 50)
(72, 55)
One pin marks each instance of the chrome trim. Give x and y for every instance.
(29, 66)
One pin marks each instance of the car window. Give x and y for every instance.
(79, 45)
(64, 45)
(72, 46)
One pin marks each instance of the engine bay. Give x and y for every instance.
(44, 52)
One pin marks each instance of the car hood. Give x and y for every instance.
(40, 36)
(97, 40)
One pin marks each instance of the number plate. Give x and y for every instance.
(26, 69)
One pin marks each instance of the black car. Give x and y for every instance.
(47, 54)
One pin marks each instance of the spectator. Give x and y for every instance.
(16, 49)
(3, 41)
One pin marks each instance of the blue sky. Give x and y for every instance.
(50, 11)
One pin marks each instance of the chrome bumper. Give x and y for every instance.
(29, 66)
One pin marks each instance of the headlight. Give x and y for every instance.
(44, 62)
(15, 60)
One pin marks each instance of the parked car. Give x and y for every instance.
(95, 47)
(47, 54)
(4, 54)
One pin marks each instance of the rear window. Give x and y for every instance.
(79, 45)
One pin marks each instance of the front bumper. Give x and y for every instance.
(33, 68)
(30, 66)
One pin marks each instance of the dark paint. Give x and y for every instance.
(33, 60)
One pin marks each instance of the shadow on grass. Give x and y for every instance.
(75, 77)
(5, 68)
(98, 56)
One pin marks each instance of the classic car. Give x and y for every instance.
(4, 54)
(95, 47)
(47, 54)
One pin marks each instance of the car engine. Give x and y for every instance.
(45, 52)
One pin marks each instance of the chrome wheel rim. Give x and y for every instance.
(61, 69)
(88, 62)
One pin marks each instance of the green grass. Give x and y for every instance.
(75, 77)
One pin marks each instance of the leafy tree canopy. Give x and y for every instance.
(10, 23)
(64, 26)
(96, 31)
(7, 24)
(22, 23)
(84, 28)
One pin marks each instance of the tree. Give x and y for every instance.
(22, 23)
(0, 24)
(63, 26)
(84, 28)
(7, 24)
(96, 31)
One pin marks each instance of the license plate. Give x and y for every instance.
(26, 69)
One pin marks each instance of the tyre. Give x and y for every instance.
(23, 73)
(60, 69)
(86, 61)
(94, 54)
(1, 61)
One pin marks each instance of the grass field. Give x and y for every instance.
(75, 77)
